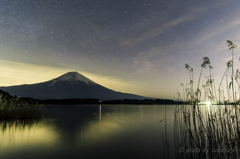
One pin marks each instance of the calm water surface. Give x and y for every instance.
(90, 131)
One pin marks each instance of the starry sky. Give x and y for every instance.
(132, 46)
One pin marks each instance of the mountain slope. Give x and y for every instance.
(69, 85)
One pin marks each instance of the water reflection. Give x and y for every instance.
(24, 136)
(131, 130)
(206, 131)
(100, 113)
(75, 131)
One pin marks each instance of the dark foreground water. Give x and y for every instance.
(90, 131)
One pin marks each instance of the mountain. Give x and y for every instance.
(69, 85)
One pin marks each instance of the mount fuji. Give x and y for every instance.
(68, 86)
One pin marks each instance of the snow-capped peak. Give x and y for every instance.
(72, 77)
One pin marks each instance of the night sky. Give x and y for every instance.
(132, 46)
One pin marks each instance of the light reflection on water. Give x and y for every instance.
(113, 131)
(16, 133)
(18, 137)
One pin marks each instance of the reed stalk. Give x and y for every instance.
(212, 129)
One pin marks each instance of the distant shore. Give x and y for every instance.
(97, 101)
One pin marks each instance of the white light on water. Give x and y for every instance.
(208, 103)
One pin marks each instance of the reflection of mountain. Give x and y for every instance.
(77, 132)
(69, 85)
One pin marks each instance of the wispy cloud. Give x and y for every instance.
(158, 30)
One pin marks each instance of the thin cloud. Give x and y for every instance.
(159, 30)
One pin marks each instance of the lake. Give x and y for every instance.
(90, 131)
